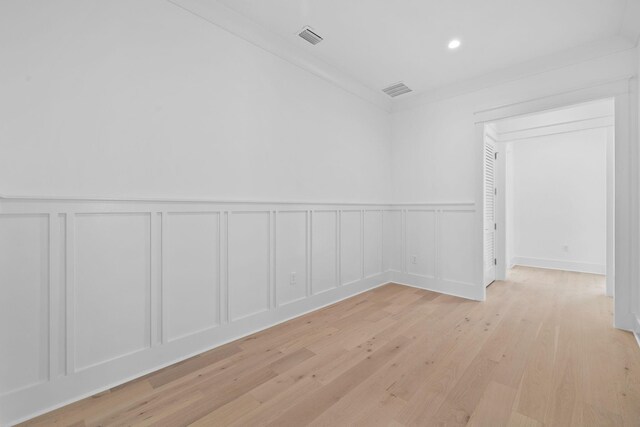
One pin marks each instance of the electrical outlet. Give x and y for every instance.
(292, 278)
(565, 248)
(414, 259)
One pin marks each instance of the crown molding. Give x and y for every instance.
(567, 58)
(221, 16)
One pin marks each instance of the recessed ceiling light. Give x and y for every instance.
(454, 44)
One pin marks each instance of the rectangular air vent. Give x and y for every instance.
(309, 35)
(396, 89)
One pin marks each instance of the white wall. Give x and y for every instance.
(160, 103)
(434, 142)
(559, 201)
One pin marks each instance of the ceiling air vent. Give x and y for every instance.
(309, 35)
(396, 89)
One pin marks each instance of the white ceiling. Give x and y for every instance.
(381, 42)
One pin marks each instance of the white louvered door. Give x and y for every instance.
(489, 212)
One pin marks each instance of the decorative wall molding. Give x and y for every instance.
(444, 261)
(122, 288)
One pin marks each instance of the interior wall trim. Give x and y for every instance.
(196, 274)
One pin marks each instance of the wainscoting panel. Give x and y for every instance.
(94, 293)
(291, 256)
(324, 251)
(372, 239)
(421, 242)
(392, 245)
(249, 265)
(437, 249)
(350, 246)
(191, 279)
(58, 237)
(24, 301)
(456, 248)
(111, 293)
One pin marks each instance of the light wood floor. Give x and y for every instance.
(540, 351)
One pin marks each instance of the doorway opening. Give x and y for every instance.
(549, 192)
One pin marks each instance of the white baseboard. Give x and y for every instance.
(440, 285)
(553, 264)
(636, 331)
(68, 389)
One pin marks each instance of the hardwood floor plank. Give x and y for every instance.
(220, 397)
(273, 408)
(536, 385)
(107, 402)
(173, 372)
(495, 406)
(519, 420)
(279, 384)
(315, 403)
(291, 360)
(227, 414)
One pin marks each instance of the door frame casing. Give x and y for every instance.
(504, 257)
(503, 263)
(625, 233)
(490, 138)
